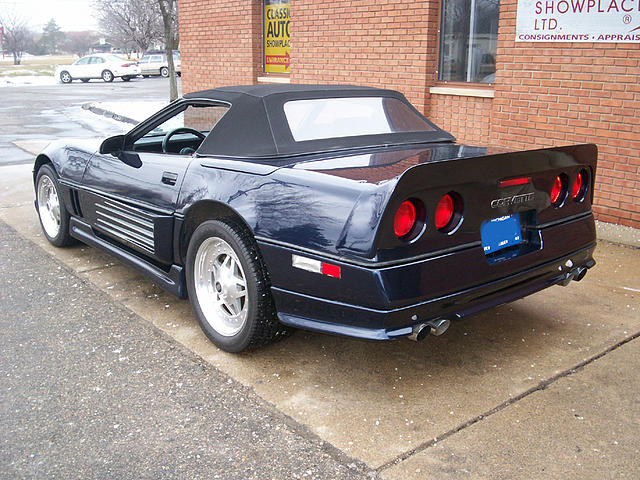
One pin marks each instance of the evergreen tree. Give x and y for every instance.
(52, 37)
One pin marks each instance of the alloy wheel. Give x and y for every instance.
(221, 287)
(49, 206)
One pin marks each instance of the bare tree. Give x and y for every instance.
(130, 24)
(16, 36)
(79, 43)
(169, 10)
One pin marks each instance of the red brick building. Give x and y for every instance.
(458, 61)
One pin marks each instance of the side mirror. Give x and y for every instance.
(130, 158)
(112, 145)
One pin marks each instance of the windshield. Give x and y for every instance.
(196, 117)
(348, 117)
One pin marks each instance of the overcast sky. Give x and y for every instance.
(70, 15)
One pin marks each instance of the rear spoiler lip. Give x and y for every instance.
(512, 153)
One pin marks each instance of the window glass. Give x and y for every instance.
(144, 59)
(347, 117)
(83, 61)
(95, 60)
(468, 40)
(198, 117)
(156, 59)
(276, 36)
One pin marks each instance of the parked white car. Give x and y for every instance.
(106, 66)
(155, 63)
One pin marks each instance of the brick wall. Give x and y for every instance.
(467, 118)
(203, 119)
(369, 42)
(545, 93)
(220, 43)
(562, 93)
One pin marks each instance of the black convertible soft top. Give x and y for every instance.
(255, 126)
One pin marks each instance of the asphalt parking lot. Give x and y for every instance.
(544, 387)
(31, 114)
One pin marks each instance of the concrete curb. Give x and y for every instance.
(108, 114)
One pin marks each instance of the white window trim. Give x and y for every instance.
(463, 92)
(274, 80)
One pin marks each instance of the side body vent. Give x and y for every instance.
(75, 202)
(127, 224)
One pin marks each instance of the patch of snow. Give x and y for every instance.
(90, 122)
(138, 111)
(20, 81)
(23, 71)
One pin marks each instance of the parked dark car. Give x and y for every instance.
(332, 208)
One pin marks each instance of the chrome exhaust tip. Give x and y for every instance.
(419, 332)
(576, 274)
(434, 327)
(439, 326)
(580, 272)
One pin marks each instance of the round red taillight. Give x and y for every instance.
(556, 190)
(577, 186)
(444, 211)
(405, 218)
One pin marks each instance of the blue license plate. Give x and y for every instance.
(501, 232)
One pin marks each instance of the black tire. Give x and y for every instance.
(126, 79)
(107, 76)
(65, 77)
(62, 238)
(164, 71)
(261, 325)
(84, 80)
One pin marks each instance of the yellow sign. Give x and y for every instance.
(276, 37)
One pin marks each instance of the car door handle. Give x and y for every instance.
(169, 178)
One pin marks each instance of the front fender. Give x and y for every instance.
(69, 159)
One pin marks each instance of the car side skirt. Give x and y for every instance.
(172, 280)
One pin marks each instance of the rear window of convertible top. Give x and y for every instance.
(322, 118)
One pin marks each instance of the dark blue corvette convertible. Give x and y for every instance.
(333, 208)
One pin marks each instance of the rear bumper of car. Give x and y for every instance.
(131, 71)
(385, 302)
